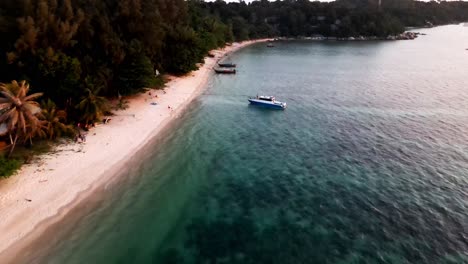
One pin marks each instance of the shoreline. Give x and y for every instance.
(407, 35)
(44, 192)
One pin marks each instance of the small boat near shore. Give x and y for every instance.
(267, 101)
(227, 65)
(225, 70)
(270, 45)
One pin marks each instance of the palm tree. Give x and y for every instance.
(18, 112)
(92, 107)
(54, 120)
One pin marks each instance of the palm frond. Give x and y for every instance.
(23, 89)
(4, 106)
(32, 97)
(5, 116)
(10, 97)
(32, 107)
(22, 123)
(14, 116)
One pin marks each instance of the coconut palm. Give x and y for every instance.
(92, 107)
(54, 120)
(18, 112)
(39, 132)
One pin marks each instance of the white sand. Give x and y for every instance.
(51, 187)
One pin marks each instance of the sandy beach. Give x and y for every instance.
(48, 189)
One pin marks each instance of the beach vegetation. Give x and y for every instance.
(26, 153)
(92, 107)
(55, 125)
(8, 166)
(182, 50)
(135, 74)
(19, 112)
(122, 104)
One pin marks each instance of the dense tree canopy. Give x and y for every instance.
(341, 18)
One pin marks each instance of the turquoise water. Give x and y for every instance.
(369, 164)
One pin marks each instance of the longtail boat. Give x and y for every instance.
(227, 65)
(225, 70)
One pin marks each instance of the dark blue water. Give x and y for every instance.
(369, 164)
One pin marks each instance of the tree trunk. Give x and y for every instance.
(13, 145)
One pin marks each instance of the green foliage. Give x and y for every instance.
(8, 167)
(342, 18)
(182, 50)
(92, 107)
(54, 121)
(59, 75)
(122, 104)
(135, 73)
(240, 28)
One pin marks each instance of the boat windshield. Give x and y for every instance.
(270, 99)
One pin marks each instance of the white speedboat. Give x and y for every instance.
(267, 101)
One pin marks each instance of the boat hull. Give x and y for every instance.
(225, 71)
(267, 105)
(227, 65)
